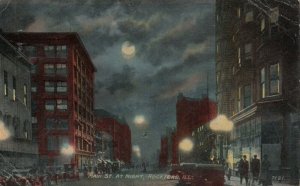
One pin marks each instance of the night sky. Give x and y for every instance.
(145, 52)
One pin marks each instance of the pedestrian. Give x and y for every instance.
(244, 169)
(265, 175)
(255, 168)
(228, 171)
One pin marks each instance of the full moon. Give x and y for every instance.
(139, 121)
(128, 50)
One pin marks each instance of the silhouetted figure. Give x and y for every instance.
(265, 176)
(244, 169)
(255, 168)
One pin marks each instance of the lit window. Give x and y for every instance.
(49, 69)
(263, 82)
(274, 79)
(25, 94)
(49, 105)
(61, 86)
(5, 83)
(14, 88)
(238, 12)
(262, 24)
(62, 104)
(239, 57)
(33, 87)
(247, 96)
(239, 106)
(274, 15)
(49, 86)
(249, 16)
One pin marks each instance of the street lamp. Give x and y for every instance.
(221, 124)
(186, 145)
(67, 150)
(4, 132)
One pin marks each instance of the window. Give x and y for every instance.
(49, 86)
(33, 106)
(274, 79)
(25, 94)
(63, 141)
(61, 51)
(239, 99)
(248, 52)
(30, 51)
(238, 12)
(33, 69)
(49, 51)
(49, 105)
(49, 69)
(52, 143)
(263, 83)
(274, 14)
(56, 124)
(14, 88)
(249, 16)
(61, 86)
(217, 48)
(262, 24)
(61, 69)
(62, 104)
(33, 87)
(248, 48)
(239, 57)
(33, 119)
(247, 96)
(5, 83)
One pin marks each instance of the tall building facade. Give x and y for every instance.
(62, 95)
(191, 113)
(15, 108)
(257, 70)
(120, 132)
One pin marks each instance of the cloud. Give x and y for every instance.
(122, 81)
(39, 25)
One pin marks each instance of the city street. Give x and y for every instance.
(145, 181)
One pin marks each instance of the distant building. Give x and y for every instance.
(62, 95)
(204, 144)
(164, 153)
(15, 107)
(257, 70)
(120, 132)
(191, 113)
(103, 145)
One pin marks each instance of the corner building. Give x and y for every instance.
(62, 95)
(257, 70)
(15, 109)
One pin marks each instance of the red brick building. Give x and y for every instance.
(120, 132)
(62, 95)
(191, 113)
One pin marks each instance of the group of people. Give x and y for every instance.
(260, 171)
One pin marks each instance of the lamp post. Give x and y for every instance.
(185, 146)
(222, 125)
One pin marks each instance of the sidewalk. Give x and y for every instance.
(235, 181)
